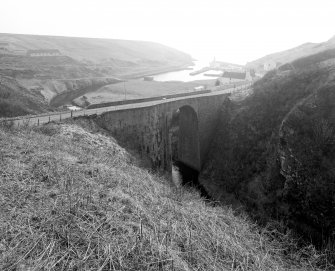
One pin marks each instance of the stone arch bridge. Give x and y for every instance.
(147, 128)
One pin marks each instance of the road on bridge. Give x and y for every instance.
(59, 116)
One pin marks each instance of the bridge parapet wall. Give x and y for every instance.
(146, 129)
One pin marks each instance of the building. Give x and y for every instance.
(148, 78)
(199, 88)
(43, 52)
(235, 76)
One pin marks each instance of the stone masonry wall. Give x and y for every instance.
(147, 129)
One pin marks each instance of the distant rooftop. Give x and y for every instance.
(234, 75)
(43, 52)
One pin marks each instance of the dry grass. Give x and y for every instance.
(73, 200)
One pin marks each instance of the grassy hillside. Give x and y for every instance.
(16, 100)
(72, 199)
(274, 151)
(99, 50)
(323, 58)
(293, 53)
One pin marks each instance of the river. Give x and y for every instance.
(184, 75)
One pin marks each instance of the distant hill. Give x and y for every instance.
(290, 55)
(48, 66)
(97, 50)
(321, 59)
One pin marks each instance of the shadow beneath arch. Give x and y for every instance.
(187, 176)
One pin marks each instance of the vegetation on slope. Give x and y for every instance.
(105, 51)
(88, 57)
(85, 62)
(287, 175)
(304, 62)
(292, 54)
(307, 152)
(71, 199)
(324, 58)
(15, 100)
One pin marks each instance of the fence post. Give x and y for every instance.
(60, 117)
(71, 114)
(49, 118)
(38, 122)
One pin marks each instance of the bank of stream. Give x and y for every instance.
(68, 96)
(183, 175)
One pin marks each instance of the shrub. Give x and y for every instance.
(248, 150)
(11, 109)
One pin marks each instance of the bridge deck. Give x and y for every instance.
(48, 117)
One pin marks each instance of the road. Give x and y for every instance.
(59, 116)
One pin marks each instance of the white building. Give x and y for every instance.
(43, 52)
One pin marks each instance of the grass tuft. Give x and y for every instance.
(74, 200)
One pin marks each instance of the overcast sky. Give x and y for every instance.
(237, 31)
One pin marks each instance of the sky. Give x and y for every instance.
(235, 31)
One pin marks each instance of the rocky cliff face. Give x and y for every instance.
(274, 151)
(307, 160)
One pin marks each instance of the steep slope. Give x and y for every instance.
(99, 50)
(16, 100)
(289, 174)
(74, 200)
(321, 59)
(307, 156)
(292, 54)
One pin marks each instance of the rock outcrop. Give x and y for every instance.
(307, 158)
(275, 151)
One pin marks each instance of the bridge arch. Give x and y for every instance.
(148, 128)
(186, 145)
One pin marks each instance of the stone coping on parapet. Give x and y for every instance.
(99, 111)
